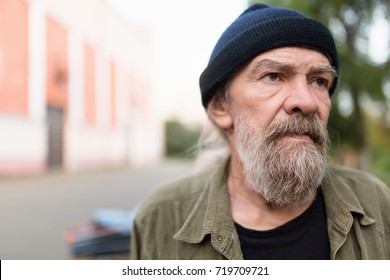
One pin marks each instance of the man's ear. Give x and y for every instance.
(219, 110)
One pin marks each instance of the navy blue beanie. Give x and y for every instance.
(258, 29)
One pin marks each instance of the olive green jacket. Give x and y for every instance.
(191, 218)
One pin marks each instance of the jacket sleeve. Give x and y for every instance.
(135, 243)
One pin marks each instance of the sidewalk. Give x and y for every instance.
(35, 212)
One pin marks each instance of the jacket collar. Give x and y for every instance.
(341, 201)
(342, 205)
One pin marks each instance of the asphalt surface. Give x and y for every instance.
(35, 212)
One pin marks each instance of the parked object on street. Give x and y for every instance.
(106, 237)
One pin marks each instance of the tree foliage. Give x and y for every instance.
(361, 79)
(181, 139)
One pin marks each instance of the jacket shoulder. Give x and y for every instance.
(360, 187)
(356, 178)
(175, 193)
(162, 214)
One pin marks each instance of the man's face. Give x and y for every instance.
(279, 107)
(280, 83)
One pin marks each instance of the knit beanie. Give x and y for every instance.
(258, 29)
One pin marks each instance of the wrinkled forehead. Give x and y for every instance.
(297, 55)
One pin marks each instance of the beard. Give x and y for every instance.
(285, 173)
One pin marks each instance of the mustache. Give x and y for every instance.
(298, 125)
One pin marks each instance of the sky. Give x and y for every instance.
(183, 35)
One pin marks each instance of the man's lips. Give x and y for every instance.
(301, 137)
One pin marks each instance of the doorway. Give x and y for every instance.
(55, 117)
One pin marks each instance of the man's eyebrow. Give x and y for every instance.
(328, 69)
(274, 65)
(265, 63)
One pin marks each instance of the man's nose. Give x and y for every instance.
(301, 98)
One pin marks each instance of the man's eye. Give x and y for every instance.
(272, 77)
(322, 82)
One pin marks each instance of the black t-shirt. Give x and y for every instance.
(303, 238)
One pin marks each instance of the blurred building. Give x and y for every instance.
(74, 88)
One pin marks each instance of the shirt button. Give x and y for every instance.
(219, 237)
(343, 219)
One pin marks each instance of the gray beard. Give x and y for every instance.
(283, 173)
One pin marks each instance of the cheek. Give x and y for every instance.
(324, 112)
(258, 106)
(258, 117)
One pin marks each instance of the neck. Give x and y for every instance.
(249, 208)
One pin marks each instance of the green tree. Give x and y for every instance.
(360, 78)
(181, 139)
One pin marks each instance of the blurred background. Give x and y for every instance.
(99, 103)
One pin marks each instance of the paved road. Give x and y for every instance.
(36, 211)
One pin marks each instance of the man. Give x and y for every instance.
(267, 90)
